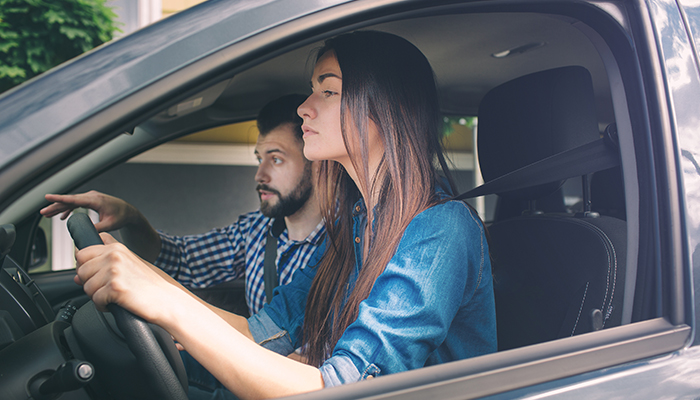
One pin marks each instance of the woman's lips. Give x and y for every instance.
(308, 131)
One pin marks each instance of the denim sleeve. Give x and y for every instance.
(410, 315)
(200, 261)
(278, 326)
(268, 334)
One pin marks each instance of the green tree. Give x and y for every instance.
(36, 35)
(449, 122)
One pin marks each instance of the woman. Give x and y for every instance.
(413, 288)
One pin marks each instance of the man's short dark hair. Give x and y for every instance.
(281, 111)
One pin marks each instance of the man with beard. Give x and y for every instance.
(289, 216)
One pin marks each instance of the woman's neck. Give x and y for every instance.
(369, 193)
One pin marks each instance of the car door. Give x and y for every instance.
(645, 83)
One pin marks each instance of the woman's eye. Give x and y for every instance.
(328, 93)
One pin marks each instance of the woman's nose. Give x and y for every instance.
(306, 109)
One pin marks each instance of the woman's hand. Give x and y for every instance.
(111, 273)
(220, 341)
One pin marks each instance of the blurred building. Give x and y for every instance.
(135, 14)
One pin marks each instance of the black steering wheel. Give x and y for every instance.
(154, 349)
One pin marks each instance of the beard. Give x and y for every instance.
(291, 203)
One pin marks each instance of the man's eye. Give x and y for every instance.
(259, 160)
(277, 160)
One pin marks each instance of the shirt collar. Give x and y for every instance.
(279, 230)
(359, 208)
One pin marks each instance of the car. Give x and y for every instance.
(587, 138)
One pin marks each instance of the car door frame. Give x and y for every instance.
(501, 372)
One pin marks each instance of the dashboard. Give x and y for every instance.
(76, 352)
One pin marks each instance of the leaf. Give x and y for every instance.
(7, 71)
(73, 33)
(6, 46)
(8, 35)
(53, 17)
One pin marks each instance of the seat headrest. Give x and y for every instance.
(533, 117)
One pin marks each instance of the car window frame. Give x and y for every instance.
(481, 376)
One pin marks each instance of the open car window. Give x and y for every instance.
(583, 265)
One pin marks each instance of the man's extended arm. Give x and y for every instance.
(115, 214)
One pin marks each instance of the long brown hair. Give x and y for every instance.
(386, 81)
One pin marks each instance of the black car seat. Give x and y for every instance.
(555, 274)
(607, 195)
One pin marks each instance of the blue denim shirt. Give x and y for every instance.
(432, 304)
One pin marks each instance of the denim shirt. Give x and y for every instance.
(432, 304)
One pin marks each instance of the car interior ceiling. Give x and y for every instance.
(464, 66)
(466, 70)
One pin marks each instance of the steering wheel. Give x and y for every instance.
(154, 349)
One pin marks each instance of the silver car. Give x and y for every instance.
(587, 141)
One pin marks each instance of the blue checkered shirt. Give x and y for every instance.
(224, 254)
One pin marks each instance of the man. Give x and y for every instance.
(288, 210)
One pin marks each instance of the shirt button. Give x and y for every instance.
(357, 208)
(357, 240)
(369, 377)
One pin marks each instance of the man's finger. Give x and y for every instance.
(71, 200)
(53, 197)
(103, 226)
(66, 214)
(53, 209)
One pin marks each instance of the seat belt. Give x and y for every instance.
(591, 157)
(270, 277)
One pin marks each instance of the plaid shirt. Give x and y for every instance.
(224, 254)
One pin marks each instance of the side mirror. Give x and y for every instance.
(39, 252)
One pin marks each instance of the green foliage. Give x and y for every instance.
(449, 122)
(36, 35)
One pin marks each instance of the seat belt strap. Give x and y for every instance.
(591, 157)
(270, 277)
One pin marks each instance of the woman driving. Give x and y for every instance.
(409, 289)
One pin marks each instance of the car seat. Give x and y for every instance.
(555, 274)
